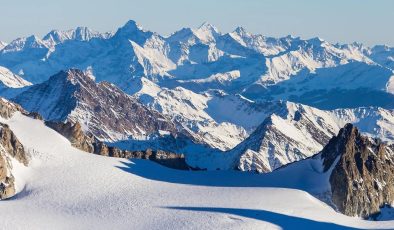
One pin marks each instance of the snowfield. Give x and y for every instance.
(65, 188)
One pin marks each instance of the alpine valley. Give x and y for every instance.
(196, 130)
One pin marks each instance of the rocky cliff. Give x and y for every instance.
(7, 186)
(10, 147)
(362, 177)
(7, 108)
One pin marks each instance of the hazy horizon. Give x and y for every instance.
(334, 21)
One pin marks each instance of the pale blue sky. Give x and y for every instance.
(366, 21)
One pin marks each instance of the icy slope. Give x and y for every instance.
(66, 188)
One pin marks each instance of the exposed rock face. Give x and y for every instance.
(7, 186)
(9, 147)
(171, 160)
(74, 133)
(36, 116)
(88, 143)
(7, 108)
(12, 145)
(362, 178)
(101, 108)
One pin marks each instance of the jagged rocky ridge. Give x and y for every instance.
(101, 108)
(362, 172)
(88, 143)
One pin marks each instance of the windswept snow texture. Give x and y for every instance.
(63, 189)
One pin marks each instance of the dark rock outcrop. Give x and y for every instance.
(88, 143)
(7, 186)
(74, 133)
(35, 115)
(11, 144)
(7, 108)
(9, 147)
(362, 177)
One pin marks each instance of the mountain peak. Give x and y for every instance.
(2, 45)
(207, 26)
(78, 76)
(132, 31)
(337, 145)
(80, 33)
(316, 40)
(131, 25)
(73, 76)
(240, 30)
(83, 33)
(361, 169)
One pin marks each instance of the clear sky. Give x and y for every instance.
(367, 21)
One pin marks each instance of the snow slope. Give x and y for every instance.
(62, 191)
(11, 80)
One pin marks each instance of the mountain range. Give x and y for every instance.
(218, 101)
(231, 96)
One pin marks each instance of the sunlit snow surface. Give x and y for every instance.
(64, 188)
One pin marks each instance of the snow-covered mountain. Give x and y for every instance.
(350, 85)
(215, 117)
(79, 34)
(204, 58)
(292, 132)
(227, 93)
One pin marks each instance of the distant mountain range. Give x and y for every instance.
(312, 71)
